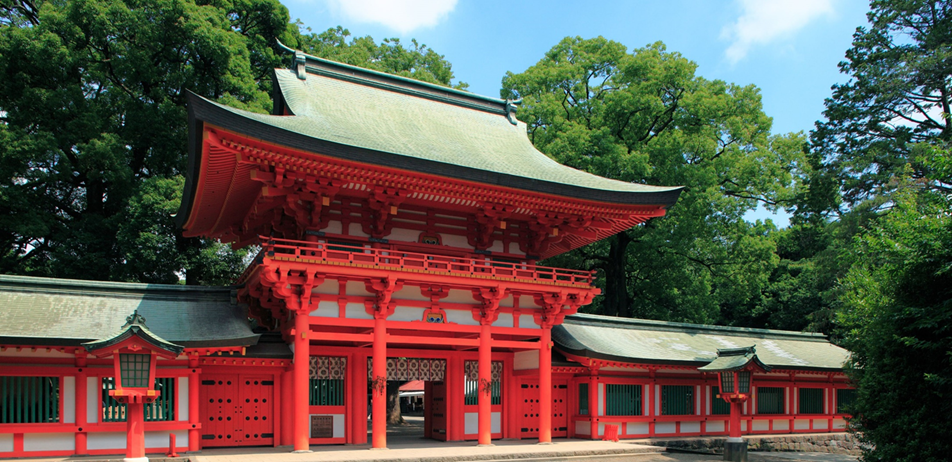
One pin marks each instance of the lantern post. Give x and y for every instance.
(735, 368)
(134, 350)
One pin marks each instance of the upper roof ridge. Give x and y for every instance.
(584, 318)
(305, 64)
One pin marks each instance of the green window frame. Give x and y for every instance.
(770, 400)
(160, 410)
(471, 393)
(25, 400)
(844, 400)
(135, 369)
(677, 400)
(718, 405)
(583, 399)
(326, 392)
(810, 400)
(623, 399)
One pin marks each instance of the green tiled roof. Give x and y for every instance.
(733, 359)
(41, 311)
(399, 122)
(656, 342)
(135, 326)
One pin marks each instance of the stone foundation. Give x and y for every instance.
(832, 443)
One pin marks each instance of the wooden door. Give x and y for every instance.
(236, 410)
(436, 411)
(530, 408)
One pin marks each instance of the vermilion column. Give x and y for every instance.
(81, 409)
(484, 390)
(593, 402)
(545, 385)
(735, 420)
(193, 418)
(379, 387)
(135, 432)
(300, 401)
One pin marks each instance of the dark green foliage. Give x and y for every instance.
(646, 117)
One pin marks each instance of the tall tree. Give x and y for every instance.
(93, 132)
(646, 117)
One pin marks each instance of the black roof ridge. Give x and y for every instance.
(316, 65)
(648, 324)
(88, 287)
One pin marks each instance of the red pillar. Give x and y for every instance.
(545, 385)
(359, 393)
(593, 402)
(194, 436)
(81, 410)
(135, 432)
(380, 383)
(484, 392)
(302, 359)
(735, 421)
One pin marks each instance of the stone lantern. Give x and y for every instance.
(135, 350)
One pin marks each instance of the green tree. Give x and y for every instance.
(93, 132)
(646, 117)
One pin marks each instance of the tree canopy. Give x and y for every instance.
(93, 133)
(646, 117)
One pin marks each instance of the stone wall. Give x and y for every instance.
(833, 443)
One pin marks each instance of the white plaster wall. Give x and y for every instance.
(498, 246)
(583, 427)
(657, 400)
(522, 360)
(504, 320)
(460, 296)
(69, 399)
(410, 293)
(646, 406)
(508, 302)
(453, 240)
(839, 424)
(697, 400)
(714, 426)
(6, 442)
(182, 392)
(39, 353)
(779, 424)
(333, 227)
(356, 229)
(92, 399)
(356, 311)
(743, 425)
(665, 427)
(470, 423)
(636, 428)
(801, 424)
(690, 427)
(462, 317)
(110, 440)
(495, 422)
(327, 309)
(407, 313)
(403, 234)
(330, 286)
(819, 424)
(601, 399)
(761, 425)
(357, 288)
(161, 439)
(49, 442)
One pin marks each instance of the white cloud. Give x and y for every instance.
(402, 16)
(763, 21)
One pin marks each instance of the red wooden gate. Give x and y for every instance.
(436, 409)
(529, 413)
(237, 410)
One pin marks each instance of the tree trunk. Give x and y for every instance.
(617, 302)
(393, 403)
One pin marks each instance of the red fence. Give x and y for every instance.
(353, 255)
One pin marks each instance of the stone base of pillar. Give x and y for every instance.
(485, 445)
(301, 451)
(735, 451)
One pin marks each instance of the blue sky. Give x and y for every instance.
(787, 48)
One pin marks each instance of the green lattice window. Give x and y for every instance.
(29, 400)
(622, 400)
(718, 405)
(677, 400)
(327, 392)
(811, 400)
(134, 369)
(160, 410)
(844, 400)
(769, 400)
(471, 393)
(583, 399)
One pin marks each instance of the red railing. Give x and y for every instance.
(354, 255)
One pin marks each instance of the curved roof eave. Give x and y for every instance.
(202, 111)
